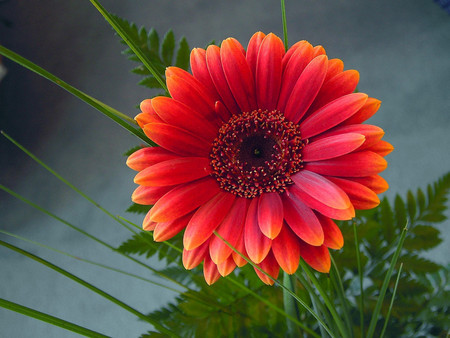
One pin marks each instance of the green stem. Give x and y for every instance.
(360, 273)
(376, 311)
(337, 319)
(106, 110)
(392, 301)
(314, 314)
(283, 17)
(130, 42)
(290, 306)
(49, 319)
(89, 286)
(89, 261)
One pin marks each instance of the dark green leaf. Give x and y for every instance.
(421, 199)
(132, 150)
(153, 41)
(422, 237)
(400, 212)
(411, 205)
(387, 220)
(149, 82)
(419, 265)
(139, 208)
(168, 47)
(182, 59)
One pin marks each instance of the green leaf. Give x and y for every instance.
(150, 82)
(422, 237)
(387, 220)
(400, 212)
(420, 199)
(132, 150)
(419, 265)
(153, 41)
(168, 48)
(139, 208)
(411, 202)
(183, 54)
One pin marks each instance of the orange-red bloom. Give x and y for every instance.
(265, 147)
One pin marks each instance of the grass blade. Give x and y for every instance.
(392, 301)
(89, 286)
(376, 311)
(360, 273)
(49, 319)
(106, 110)
(283, 18)
(129, 41)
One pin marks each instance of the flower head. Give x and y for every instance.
(263, 146)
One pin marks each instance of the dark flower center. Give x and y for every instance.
(256, 152)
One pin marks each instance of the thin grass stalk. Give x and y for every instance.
(331, 307)
(103, 266)
(360, 274)
(392, 301)
(23, 199)
(50, 319)
(91, 287)
(377, 309)
(290, 306)
(129, 41)
(118, 117)
(314, 314)
(283, 18)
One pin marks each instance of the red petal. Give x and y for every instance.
(173, 172)
(332, 146)
(375, 183)
(372, 133)
(149, 195)
(240, 247)
(332, 114)
(341, 214)
(192, 258)
(189, 91)
(342, 84)
(226, 267)
(270, 266)
(238, 74)
(302, 220)
(365, 112)
(148, 156)
(270, 214)
(382, 148)
(231, 229)
(143, 118)
(363, 163)
(218, 77)
(332, 234)
(183, 199)
(306, 88)
(319, 50)
(256, 244)
(178, 114)
(335, 66)
(253, 49)
(166, 230)
(210, 271)
(290, 52)
(177, 140)
(321, 189)
(361, 196)
(200, 71)
(286, 249)
(147, 224)
(317, 257)
(206, 219)
(268, 72)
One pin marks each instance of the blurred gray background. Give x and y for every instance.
(401, 49)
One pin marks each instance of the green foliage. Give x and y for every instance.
(420, 307)
(139, 208)
(161, 54)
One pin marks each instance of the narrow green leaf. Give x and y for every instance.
(132, 150)
(49, 319)
(283, 18)
(361, 276)
(183, 54)
(376, 311)
(121, 30)
(387, 220)
(168, 48)
(88, 286)
(421, 200)
(412, 205)
(400, 212)
(290, 306)
(419, 265)
(149, 82)
(139, 208)
(153, 39)
(118, 117)
(392, 301)
(422, 237)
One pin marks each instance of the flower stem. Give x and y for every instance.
(283, 17)
(49, 319)
(360, 273)
(290, 306)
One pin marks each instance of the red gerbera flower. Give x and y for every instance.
(265, 147)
